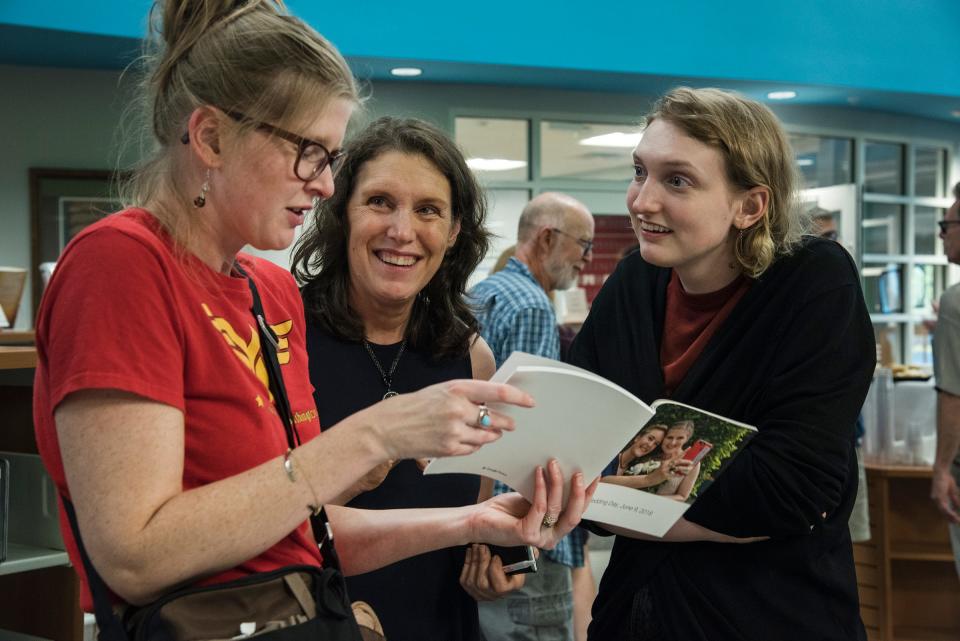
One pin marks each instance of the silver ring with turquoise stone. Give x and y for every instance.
(483, 418)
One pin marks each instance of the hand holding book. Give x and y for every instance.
(582, 420)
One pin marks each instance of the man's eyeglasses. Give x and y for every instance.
(312, 157)
(945, 224)
(586, 245)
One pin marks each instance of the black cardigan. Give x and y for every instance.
(794, 359)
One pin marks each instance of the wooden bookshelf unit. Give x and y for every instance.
(909, 590)
(39, 590)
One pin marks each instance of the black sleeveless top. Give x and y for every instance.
(418, 598)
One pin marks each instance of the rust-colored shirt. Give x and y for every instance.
(690, 321)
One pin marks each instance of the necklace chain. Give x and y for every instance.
(387, 377)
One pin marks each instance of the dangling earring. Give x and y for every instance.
(737, 251)
(201, 200)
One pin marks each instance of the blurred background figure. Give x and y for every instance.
(946, 366)
(554, 244)
(824, 223)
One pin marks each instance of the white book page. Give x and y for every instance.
(634, 510)
(580, 419)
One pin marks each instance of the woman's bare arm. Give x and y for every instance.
(123, 459)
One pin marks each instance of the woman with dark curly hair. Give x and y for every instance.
(383, 271)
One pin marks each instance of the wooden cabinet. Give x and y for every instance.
(909, 590)
(39, 590)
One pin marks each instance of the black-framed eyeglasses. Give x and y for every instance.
(586, 245)
(312, 156)
(945, 224)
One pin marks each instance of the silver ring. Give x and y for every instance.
(483, 417)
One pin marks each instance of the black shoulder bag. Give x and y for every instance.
(292, 603)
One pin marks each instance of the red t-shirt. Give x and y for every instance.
(690, 322)
(125, 311)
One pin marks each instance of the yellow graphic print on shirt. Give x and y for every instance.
(249, 352)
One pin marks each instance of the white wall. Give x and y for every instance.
(67, 119)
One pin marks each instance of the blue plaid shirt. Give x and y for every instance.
(515, 314)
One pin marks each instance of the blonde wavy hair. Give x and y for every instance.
(756, 152)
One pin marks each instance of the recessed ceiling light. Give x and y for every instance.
(494, 164)
(781, 95)
(406, 72)
(614, 139)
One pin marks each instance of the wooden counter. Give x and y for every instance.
(17, 357)
(908, 582)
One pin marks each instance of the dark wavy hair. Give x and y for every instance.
(441, 323)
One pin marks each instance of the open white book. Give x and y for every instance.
(584, 421)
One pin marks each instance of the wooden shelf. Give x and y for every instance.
(901, 471)
(17, 357)
(923, 633)
(905, 573)
(23, 558)
(917, 551)
(17, 337)
(41, 592)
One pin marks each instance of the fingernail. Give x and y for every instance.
(578, 479)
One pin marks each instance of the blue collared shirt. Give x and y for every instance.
(515, 314)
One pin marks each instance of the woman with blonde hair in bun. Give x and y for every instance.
(176, 414)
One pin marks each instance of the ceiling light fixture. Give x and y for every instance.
(494, 164)
(614, 139)
(955, 113)
(406, 72)
(781, 95)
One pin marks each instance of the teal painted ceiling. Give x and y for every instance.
(901, 56)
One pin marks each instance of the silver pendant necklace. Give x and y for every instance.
(387, 377)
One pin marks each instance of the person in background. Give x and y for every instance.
(824, 224)
(554, 243)
(383, 268)
(946, 368)
(728, 307)
(567, 333)
(153, 409)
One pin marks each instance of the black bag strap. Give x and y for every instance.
(110, 625)
(111, 628)
(319, 523)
